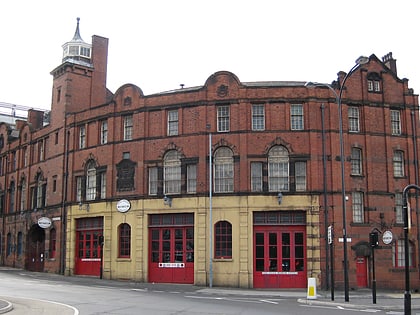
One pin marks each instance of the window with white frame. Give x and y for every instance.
(374, 85)
(191, 178)
(296, 116)
(357, 207)
(128, 127)
(223, 170)
(395, 122)
(172, 172)
(356, 161)
(79, 188)
(153, 181)
(82, 137)
(173, 123)
(256, 176)
(258, 117)
(278, 169)
(38, 192)
(90, 181)
(104, 132)
(398, 253)
(300, 176)
(398, 163)
(354, 124)
(399, 215)
(103, 184)
(223, 118)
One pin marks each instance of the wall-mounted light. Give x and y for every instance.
(84, 206)
(279, 197)
(167, 201)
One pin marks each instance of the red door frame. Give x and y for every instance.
(280, 256)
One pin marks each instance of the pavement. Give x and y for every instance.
(358, 299)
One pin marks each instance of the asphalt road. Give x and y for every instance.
(41, 293)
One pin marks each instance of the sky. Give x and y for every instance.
(160, 44)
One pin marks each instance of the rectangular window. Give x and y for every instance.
(191, 178)
(79, 188)
(82, 137)
(256, 176)
(354, 119)
(128, 127)
(173, 123)
(399, 215)
(370, 85)
(41, 150)
(398, 162)
(398, 251)
(104, 132)
(153, 181)
(258, 117)
(395, 122)
(296, 117)
(25, 156)
(102, 178)
(376, 86)
(357, 207)
(223, 119)
(300, 176)
(356, 161)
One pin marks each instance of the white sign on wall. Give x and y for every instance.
(123, 205)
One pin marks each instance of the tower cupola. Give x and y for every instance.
(76, 50)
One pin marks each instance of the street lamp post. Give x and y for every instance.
(407, 294)
(359, 61)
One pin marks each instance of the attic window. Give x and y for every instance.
(374, 82)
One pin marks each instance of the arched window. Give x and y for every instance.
(278, 169)
(124, 240)
(172, 172)
(223, 240)
(53, 242)
(223, 170)
(90, 181)
(19, 243)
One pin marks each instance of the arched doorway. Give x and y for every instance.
(35, 248)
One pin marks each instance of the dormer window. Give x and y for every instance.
(374, 82)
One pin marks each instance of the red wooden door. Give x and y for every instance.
(361, 272)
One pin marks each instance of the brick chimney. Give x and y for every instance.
(390, 62)
(36, 118)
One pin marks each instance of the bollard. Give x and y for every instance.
(311, 289)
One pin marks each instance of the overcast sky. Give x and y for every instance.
(158, 45)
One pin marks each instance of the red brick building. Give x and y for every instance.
(117, 184)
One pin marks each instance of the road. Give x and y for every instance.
(45, 294)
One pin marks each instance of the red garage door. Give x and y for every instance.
(88, 249)
(279, 254)
(171, 248)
